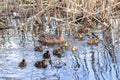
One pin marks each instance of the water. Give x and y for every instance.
(88, 63)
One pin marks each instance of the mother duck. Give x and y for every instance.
(48, 39)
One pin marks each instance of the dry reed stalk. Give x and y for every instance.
(91, 9)
(38, 14)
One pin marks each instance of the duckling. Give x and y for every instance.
(41, 64)
(90, 42)
(44, 65)
(74, 48)
(96, 41)
(79, 36)
(93, 42)
(38, 48)
(86, 29)
(38, 64)
(83, 30)
(66, 44)
(57, 52)
(23, 63)
(46, 55)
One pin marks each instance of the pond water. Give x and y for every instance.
(88, 63)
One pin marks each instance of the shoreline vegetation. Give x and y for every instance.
(38, 15)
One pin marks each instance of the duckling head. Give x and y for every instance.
(47, 51)
(23, 60)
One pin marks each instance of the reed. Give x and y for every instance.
(85, 12)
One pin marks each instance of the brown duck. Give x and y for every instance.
(46, 55)
(57, 52)
(40, 64)
(38, 48)
(66, 44)
(93, 42)
(23, 63)
(79, 36)
(50, 39)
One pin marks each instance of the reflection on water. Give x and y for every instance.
(88, 63)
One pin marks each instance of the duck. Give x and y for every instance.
(44, 65)
(57, 52)
(74, 48)
(47, 39)
(46, 55)
(86, 29)
(83, 30)
(40, 64)
(23, 63)
(38, 48)
(96, 41)
(90, 42)
(79, 36)
(66, 44)
(93, 42)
